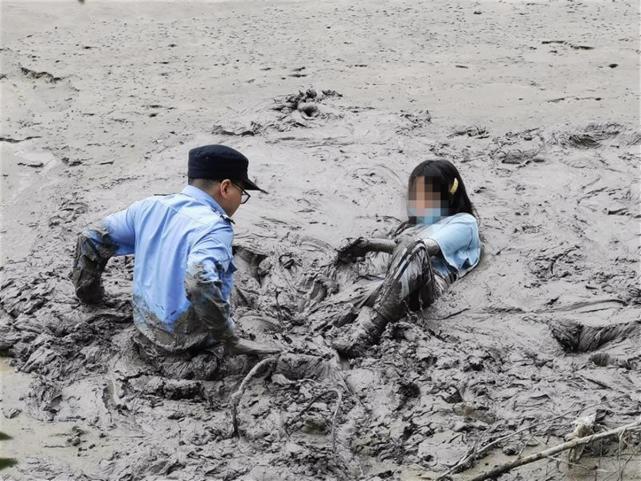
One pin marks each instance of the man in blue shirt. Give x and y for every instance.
(183, 271)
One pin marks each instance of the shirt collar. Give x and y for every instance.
(205, 198)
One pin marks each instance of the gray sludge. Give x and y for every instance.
(481, 362)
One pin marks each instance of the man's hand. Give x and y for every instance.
(90, 259)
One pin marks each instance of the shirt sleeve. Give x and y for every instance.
(208, 279)
(120, 227)
(459, 242)
(212, 256)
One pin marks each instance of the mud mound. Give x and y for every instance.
(519, 147)
(301, 110)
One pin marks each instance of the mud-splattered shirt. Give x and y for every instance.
(181, 242)
(458, 239)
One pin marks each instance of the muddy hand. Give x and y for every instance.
(352, 250)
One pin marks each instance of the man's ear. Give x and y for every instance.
(224, 187)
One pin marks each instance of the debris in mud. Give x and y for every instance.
(75, 436)
(295, 110)
(576, 337)
(568, 44)
(13, 140)
(575, 446)
(175, 389)
(303, 101)
(472, 131)
(591, 137)
(561, 99)
(46, 76)
(519, 148)
(253, 129)
(11, 413)
(35, 165)
(417, 119)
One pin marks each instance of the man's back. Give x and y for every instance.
(184, 263)
(170, 237)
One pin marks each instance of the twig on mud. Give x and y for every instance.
(577, 465)
(569, 463)
(547, 453)
(339, 400)
(235, 398)
(472, 453)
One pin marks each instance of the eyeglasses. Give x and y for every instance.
(244, 195)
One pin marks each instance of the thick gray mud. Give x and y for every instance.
(502, 351)
(482, 362)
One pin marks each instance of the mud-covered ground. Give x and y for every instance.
(536, 103)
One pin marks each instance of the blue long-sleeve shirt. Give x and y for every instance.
(177, 239)
(458, 239)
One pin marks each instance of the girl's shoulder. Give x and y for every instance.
(460, 218)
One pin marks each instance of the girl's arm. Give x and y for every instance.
(380, 245)
(361, 246)
(432, 247)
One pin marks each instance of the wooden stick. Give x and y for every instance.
(504, 468)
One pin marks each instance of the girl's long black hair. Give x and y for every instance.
(440, 174)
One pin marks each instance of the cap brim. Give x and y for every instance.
(249, 185)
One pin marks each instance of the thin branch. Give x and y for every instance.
(504, 468)
(472, 453)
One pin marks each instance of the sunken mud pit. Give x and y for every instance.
(536, 103)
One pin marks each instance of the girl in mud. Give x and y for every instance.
(438, 244)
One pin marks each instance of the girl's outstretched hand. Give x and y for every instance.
(355, 248)
(352, 249)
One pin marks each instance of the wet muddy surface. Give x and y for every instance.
(543, 332)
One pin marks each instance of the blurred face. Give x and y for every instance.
(425, 202)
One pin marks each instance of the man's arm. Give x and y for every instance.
(208, 283)
(204, 290)
(114, 235)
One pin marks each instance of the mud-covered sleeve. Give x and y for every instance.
(93, 250)
(459, 242)
(120, 227)
(208, 280)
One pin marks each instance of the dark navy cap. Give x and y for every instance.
(219, 162)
